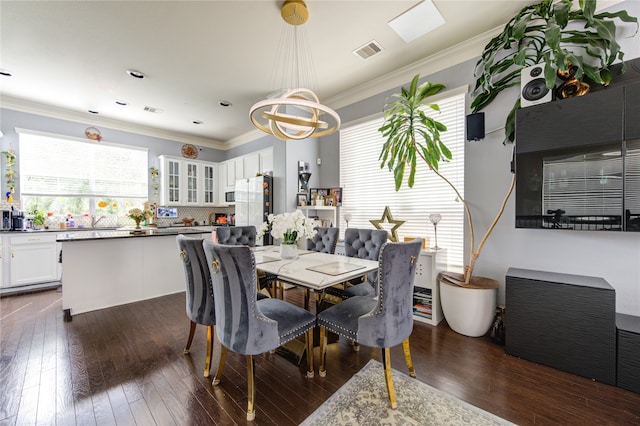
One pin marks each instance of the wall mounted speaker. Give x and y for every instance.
(533, 89)
(475, 126)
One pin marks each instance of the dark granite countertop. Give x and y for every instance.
(85, 235)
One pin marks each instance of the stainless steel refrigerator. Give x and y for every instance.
(254, 202)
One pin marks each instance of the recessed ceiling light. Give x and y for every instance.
(197, 122)
(91, 111)
(135, 73)
(225, 104)
(5, 73)
(123, 103)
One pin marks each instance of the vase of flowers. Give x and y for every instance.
(139, 215)
(288, 228)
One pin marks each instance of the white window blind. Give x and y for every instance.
(51, 166)
(367, 188)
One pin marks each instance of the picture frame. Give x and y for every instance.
(312, 193)
(301, 199)
(337, 192)
(330, 200)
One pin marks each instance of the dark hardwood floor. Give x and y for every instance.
(125, 366)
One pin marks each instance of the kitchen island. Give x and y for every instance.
(108, 268)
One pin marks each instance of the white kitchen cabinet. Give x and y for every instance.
(33, 259)
(187, 182)
(209, 184)
(192, 182)
(251, 165)
(238, 168)
(171, 175)
(266, 160)
(231, 174)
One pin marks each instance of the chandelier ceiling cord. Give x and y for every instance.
(294, 113)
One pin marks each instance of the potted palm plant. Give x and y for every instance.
(412, 135)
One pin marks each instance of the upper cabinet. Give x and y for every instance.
(200, 183)
(187, 182)
(171, 174)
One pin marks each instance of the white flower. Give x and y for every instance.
(288, 227)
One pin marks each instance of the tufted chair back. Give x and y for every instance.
(240, 325)
(364, 244)
(324, 241)
(199, 295)
(384, 321)
(237, 235)
(392, 319)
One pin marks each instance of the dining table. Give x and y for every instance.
(311, 270)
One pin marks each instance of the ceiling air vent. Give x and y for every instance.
(154, 110)
(368, 50)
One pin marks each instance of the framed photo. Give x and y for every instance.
(323, 191)
(312, 193)
(337, 192)
(302, 199)
(330, 200)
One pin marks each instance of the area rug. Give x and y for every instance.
(363, 400)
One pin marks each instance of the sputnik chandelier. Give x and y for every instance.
(295, 113)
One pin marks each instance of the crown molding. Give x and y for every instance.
(22, 105)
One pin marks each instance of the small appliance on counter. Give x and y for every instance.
(7, 221)
(18, 221)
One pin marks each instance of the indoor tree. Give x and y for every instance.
(411, 135)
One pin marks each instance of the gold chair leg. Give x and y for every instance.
(223, 359)
(407, 357)
(251, 389)
(306, 299)
(323, 349)
(192, 331)
(386, 360)
(309, 341)
(207, 360)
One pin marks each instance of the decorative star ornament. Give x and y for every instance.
(386, 217)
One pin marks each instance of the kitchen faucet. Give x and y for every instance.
(94, 221)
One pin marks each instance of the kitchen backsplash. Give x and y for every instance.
(201, 216)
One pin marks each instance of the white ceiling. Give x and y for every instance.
(72, 55)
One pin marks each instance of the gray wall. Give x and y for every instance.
(613, 256)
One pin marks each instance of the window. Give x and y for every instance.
(367, 188)
(66, 176)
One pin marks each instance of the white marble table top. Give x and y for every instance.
(299, 271)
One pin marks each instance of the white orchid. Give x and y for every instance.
(288, 227)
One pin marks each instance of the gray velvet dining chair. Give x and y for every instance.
(246, 325)
(199, 294)
(384, 321)
(235, 235)
(324, 241)
(363, 244)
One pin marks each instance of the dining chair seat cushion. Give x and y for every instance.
(362, 289)
(342, 318)
(291, 319)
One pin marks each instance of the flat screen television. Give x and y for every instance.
(167, 212)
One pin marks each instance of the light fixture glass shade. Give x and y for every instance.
(295, 113)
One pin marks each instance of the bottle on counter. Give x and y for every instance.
(67, 224)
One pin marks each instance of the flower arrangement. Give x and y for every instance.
(139, 215)
(288, 227)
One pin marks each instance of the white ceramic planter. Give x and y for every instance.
(468, 311)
